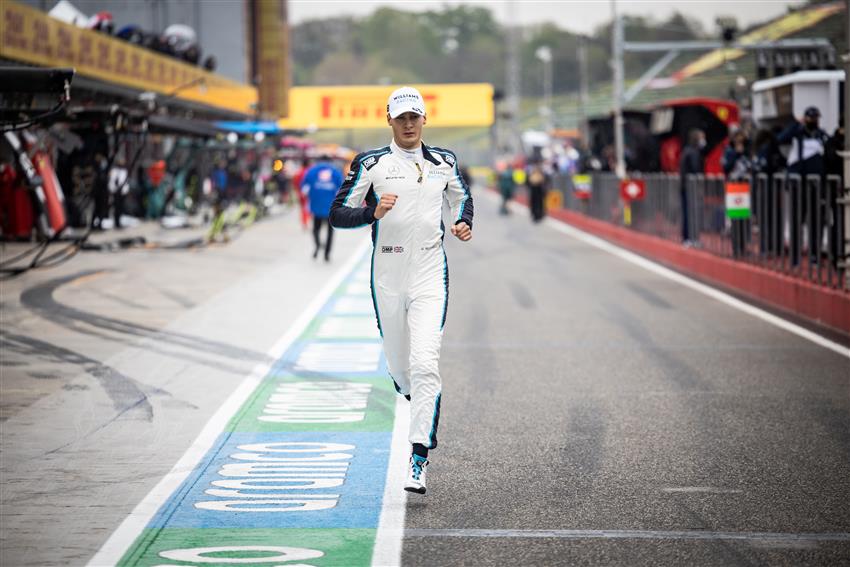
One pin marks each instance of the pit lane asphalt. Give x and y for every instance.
(112, 363)
(581, 392)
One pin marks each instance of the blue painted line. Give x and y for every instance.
(288, 363)
(358, 499)
(242, 483)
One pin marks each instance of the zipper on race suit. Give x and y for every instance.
(422, 170)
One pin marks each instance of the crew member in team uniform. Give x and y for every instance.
(319, 186)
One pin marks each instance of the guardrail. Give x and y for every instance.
(796, 225)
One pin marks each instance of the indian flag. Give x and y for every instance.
(738, 200)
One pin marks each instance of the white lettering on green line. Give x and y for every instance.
(275, 554)
(317, 402)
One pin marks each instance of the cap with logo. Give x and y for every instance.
(812, 112)
(405, 99)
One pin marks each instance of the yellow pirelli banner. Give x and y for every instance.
(33, 37)
(462, 104)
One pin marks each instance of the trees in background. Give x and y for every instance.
(458, 44)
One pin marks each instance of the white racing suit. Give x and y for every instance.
(410, 276)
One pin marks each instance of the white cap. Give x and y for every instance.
(405, 99)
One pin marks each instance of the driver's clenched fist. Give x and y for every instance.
(385, 205)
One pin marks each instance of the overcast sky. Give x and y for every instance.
(575, 15)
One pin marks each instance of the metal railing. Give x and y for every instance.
(796, 224)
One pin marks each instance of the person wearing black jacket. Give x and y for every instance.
(537, 181)
(770, 161)
(692, 161)
(834, 165)
(806, 158)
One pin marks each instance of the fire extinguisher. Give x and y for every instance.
(50, 217)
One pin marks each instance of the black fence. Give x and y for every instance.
(796, 225)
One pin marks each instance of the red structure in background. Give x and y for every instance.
(673, 119)
(17, 217)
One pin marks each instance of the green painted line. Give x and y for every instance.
(380, 411)
(317, 393)
(339, 547)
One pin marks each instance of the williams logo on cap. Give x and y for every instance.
(405, 99)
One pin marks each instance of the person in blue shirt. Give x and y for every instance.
(320, 185)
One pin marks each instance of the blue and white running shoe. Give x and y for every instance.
(416, 474)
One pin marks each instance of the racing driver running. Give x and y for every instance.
(403, 186)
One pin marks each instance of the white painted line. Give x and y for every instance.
(339, 357)
(638, 260)
(116, 546)
(768, 537)
(355, 305)
(387, 552)
(348, 328)
(701, 490)
(359, 288)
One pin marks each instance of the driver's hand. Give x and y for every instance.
(462, 231)
(385, 205)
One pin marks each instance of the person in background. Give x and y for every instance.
(737, 166)
(319, 186)
(100, 188)
(768, 160)
(808, 144)
(118, 189)
(219, 179)
(736, 161)
(834, 165)
(692, 161)
(297, 179)
(806, 158)
(537, 182)
(506, 185)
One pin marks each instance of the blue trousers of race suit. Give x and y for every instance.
(412, 312)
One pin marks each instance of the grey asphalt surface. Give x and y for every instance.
(582, 392)
(112, 363)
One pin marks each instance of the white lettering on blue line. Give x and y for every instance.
(277, 477)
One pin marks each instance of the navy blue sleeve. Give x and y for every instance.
(791, 132)
(347, 210)
(458, 196)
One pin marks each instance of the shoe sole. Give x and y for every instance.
(416, 490)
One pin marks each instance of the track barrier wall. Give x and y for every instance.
(785, 249)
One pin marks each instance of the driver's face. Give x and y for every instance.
(407, 129)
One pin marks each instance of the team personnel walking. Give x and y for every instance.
(319, 186)
(403, 186)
